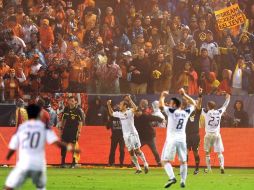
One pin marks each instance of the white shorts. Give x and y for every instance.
(132, 141)
(17, 178)
(213, 140)
(171, 148)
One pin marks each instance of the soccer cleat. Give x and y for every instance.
(170, 182)
(182, 185)
(222, 171)
(206, 170)
(138, 172)
(146, 169)
(196, 171)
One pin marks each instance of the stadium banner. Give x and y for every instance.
(230, 17)
(95, 146)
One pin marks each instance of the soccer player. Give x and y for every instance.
(130, 133)
(178, 114)
(72, 122)
(192, 132)
(212, 127)
(30, 140)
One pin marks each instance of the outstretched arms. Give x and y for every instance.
(187, 97)
(162, 98)
(110, 110)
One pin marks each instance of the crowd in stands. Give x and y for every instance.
(130, 46)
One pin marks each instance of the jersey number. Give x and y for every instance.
(180, 124)
(32, 140)
(214, 121)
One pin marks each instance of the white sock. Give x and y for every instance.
(135, 162)
(221, 160)
(208, 162)
(169, 170)
(41, 188)
(143, 158)
(183, 172)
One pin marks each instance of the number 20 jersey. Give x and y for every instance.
(177, 121)
(30, 140)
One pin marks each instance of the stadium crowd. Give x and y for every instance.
(129, 46)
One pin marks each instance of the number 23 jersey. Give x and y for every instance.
(212, 120)
(177, 121)
(30, 140)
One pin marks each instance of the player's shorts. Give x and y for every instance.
(193, 142)
(213, 140)
(70, 134)
(171, 148)
(17, 177)
(132, 141)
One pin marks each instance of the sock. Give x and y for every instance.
(197, 161)
(41, 188)
(169, 170)
(208, 162)
(135, 162)
(183, 172)
(221, 160)
(143, 158)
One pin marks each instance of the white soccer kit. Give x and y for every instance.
(30, 140)
(212, 128)
(130, 133)
(176, 135)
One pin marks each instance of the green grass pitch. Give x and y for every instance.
(125, 179)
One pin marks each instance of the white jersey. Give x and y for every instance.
(30, 140)
(177, 121)
(213, 118)
(127, 121)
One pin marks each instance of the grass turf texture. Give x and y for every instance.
(125, 179)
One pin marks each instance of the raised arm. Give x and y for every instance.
(226, 103)
(110, 110)
(188, 98)
(133, 105)
(162, 98)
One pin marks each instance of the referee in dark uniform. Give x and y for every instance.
(72, 121)
(192, 132)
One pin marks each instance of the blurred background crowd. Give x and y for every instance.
(123, 46)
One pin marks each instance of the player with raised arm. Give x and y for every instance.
(30, 139)
(178, 115)
(212, 128)
(130, 133)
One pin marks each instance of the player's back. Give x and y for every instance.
(212, 120)
(177, 121)
(30, 140)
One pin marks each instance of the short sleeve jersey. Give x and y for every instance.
(30, 140)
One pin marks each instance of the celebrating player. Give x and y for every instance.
(30, 140)
(178, 115)
(130, 133)
(192, 132)
(212, 128)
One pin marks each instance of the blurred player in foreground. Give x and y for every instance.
(178, 114)
(130, 133)
(212, 129)
(30, 140)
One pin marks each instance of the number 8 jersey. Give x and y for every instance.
(177, 121)
(30, 140)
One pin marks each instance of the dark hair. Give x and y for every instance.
(33, 111)
(41, 103)
(238, 101)
(177, 102)
(211, 104)
(72, 97)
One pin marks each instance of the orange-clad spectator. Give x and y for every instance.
(12, 86)
(188, 79)
(80, 32)
(21, 113)
(4, 69)
(20, 15)
(15, 26)
(60, 14)
(225, 85)
(46, 35)
(110, 18)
